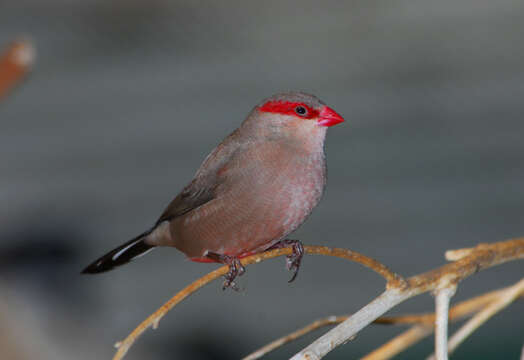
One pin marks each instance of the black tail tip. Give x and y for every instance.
(96, 268)
(119, 256)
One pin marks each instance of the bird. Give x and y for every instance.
(254, 189)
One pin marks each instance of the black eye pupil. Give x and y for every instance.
(300, 110)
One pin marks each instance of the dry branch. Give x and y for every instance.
(397, 290)
(400, 343)
(331, 320)
(15, 63)
(423, 326)
(471, 261)
(505, 299)
(426, 325)
(392, 279)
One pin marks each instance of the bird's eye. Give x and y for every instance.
(301, 110)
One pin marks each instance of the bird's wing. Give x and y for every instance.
(209, 177)
(190, 198)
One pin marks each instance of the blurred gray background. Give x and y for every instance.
(127, 98)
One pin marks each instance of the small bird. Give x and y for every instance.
(251, 191)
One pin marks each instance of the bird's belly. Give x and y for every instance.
(238, 225)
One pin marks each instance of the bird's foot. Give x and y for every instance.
(235, 269)
(293, 260)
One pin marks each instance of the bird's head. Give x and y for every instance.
(293, 114)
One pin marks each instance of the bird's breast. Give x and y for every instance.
(302, 190)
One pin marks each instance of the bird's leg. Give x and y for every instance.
(235, 268)
(293, 260)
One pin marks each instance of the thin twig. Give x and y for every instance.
(393, 280)
(15, 62)
(400, 342)
(332, 320)
(442, 298)
(480, 318)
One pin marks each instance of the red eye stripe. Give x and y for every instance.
(288, 108)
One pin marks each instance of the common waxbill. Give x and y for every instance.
(251, 191)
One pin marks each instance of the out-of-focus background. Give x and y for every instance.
(126, 99)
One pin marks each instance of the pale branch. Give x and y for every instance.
(479, 258)
(423, 326)
(426, 325)
(337, 336)
(484, 315)
(393, 280)
(442, 298)
(15, 63)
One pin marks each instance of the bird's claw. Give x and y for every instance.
(235, 269)
(293, 261)
(295, 258)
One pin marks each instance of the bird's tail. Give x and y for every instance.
(123, 254)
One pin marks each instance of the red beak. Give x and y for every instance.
(328, 117)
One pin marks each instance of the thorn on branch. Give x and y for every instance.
(454, 255)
